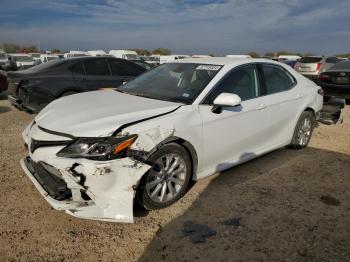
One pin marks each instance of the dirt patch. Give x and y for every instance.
(279, 207)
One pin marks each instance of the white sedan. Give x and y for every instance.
(93, 154)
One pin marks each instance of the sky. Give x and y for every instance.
(184, 26)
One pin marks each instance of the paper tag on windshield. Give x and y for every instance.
(208, 67)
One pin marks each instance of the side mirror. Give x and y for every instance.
(225, 99)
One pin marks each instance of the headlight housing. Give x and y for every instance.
(104, 148)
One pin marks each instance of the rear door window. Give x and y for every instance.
(277, 79)
(121, 67)
(96, 67)
(77, 69)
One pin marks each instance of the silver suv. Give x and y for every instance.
(312, 66)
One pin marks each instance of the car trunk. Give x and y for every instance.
(336, 77)
(309, 64)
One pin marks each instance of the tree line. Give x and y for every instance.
(15, 48)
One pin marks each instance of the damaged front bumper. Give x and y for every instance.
(98, 190)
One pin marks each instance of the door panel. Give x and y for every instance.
(235, 135)
(284, 100)
(283, 108)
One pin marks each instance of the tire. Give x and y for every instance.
(303, 130)
(68, 93)
(160, 188)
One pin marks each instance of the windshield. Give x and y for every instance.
(176, 82)
(3, 56)
(36, 55)
(24, 58)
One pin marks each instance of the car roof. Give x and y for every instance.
(223, 60)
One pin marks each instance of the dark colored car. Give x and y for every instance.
(3, 80)
(35, 87)
(143, 64)
(291, 63)
(336, 81)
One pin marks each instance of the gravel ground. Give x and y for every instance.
(284, 206)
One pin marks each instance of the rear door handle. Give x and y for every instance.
(261, 107)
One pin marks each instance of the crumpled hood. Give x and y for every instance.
(98, 113)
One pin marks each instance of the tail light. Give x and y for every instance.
(318, 66)
(324, 77)
(320, 92)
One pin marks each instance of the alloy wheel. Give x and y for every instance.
(166, 178)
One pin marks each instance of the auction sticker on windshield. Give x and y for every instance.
(208, 67)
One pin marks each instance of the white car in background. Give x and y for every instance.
(76, 54)
(23, 61)
(36, 56)
(124, 54)
(239, 56)
(4, 60)
(93, 154)
(170, 58)
(97, 53)
(289, 57)
(47, 58)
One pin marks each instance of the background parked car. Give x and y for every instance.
(13, 64)
(312, 66)
(152, 60)
(171, 58)
(47, 58)
(34, 88)
(76, 54)
(125, 54)
(97, 53)
(336, 80)
(4, 61)
(144, 64)
(3, 80)
(291, 63)
(36, 56)
(23, 61)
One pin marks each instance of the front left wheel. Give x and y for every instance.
(167, 180)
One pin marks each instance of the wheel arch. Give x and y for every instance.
(187, 146)
(66, 90)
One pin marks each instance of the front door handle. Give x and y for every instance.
(261, 107)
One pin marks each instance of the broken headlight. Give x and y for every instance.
(104, 148)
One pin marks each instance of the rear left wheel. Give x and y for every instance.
(167, 180)
(303, 130)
